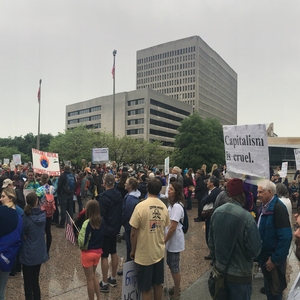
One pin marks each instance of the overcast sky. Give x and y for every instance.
(69, 43)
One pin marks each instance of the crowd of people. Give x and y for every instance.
(244, 222)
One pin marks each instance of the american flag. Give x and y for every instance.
(113, 71)
(39, 92)
(70, 235)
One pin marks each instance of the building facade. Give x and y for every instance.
(190, 71)
(144, 114)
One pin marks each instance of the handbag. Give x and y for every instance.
(207, 210)
(217, 279)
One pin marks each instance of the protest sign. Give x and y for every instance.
(130, 282)
(45, 162)
(99, 155)
(167, 165)
(284, 168)
(246, 150)
(297, 158)
(17, 159)
(6, 161)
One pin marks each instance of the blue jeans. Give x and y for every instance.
(238, 291)
(3, 282)
(66, 204)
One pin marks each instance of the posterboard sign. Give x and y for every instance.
(297, 158)
(167, 165)
(45, 162)
(99, 155)
(130, 289)
(6, 161)
(284, 168)
(17, 159)
(246, 150)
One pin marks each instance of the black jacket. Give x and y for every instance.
(111, 211)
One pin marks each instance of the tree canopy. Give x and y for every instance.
(199, 142)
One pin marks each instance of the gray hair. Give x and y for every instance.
(281, 190)
(266, 184)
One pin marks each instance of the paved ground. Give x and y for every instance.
(62, 277)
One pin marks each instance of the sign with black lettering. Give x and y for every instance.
(130, 289)
(246, 150)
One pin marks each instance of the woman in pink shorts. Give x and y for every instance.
(90, 241)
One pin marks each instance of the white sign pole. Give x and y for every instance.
(167, 165)
(297, 158)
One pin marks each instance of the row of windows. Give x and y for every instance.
(162, 133)
(84, 111)
(135, 121)
(169, 107)
(167, 69)
(164, 115)
(166, 55)
(135, 102)
(166, 62)
(93, 126)
(163, 124)
(135, 112)
(85, 119)
(160, 84)
(135, 131)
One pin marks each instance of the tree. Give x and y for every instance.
(7, 152)
(199, 142)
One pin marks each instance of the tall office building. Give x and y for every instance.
(190, 71)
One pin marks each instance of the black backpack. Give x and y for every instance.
(185, 222)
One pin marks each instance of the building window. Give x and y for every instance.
(135, 121)
(96, 117)
(135, 131)
(169, 107)
(135, 112)
(135, 102)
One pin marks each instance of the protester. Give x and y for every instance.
(276, 235)
(174, 238)
(10, 235)
(148, 221)
(234, 257)
(43, 192)
(31, 183)
(111, 211)
(90, 241)
(283, 195)
(200, 191)
(65, 192)
(33, 252)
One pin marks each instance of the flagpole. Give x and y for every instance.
(39, 116)
(114, 93)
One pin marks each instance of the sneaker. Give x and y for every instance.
(112, 282)
(104, 288)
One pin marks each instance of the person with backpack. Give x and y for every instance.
(10, 236)
(174, 237)
(45, 194)
(33, 252)
(65, 192)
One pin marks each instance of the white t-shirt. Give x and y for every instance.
(288, 205)
(176, 242)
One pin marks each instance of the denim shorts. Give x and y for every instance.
(173, 260)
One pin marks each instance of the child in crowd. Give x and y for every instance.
(90, 241)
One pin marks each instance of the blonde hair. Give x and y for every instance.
(11, 194)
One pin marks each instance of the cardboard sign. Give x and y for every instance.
(45, 162)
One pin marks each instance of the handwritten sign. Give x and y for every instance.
(99, 155)
(45, 162)
(130, 282)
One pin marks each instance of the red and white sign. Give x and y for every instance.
(45, 162)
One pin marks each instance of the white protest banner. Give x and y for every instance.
(45, 162)
(130, 282)
(99, 155)
(246, 150)
(297, 158)
(17, 159)
(284, 168)
(6, 161)
(167, 165)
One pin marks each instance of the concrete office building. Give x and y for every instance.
(144, 114)
(190, 71)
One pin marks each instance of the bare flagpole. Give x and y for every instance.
(114, 92)
(39, 116)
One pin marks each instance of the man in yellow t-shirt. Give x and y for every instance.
(148, 221)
